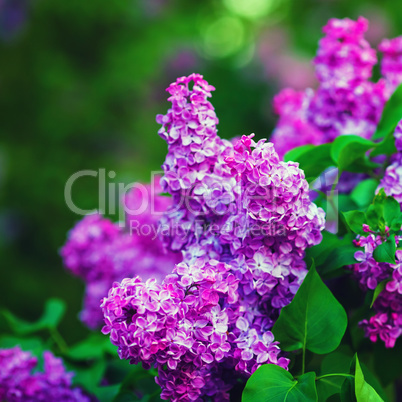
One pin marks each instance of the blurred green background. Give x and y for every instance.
(82, 81)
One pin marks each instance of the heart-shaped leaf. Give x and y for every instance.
(363, 390)
(355, 220)
(314, 320)
(313, 160)
(385, 252)
(363, 193)
(349, 153)
(380, 287)
(275, 384)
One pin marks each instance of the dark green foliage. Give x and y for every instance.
(314, 320)
(273, 383)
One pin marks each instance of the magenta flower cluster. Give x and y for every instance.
(101, 252)
(20, 381)
(193, 324)
(196, 173)
(392, 180)
(242, 219)
(346, 100)
(387, 321)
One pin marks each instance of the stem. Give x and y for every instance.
(330, 197)
(58, 340)
(304, 360)
(334, 375)
(336, 181)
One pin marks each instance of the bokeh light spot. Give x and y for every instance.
(250, 8)
(224, 36)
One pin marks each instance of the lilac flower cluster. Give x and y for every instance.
(209, 322)
(101, 252)
(392, 180)
(196, 174)
(346, 100)
(18, 382)
(282, 65)
(391, 66)
(293, 127)
(387, 320)
(368, 271)
(191, 324)
(272, 193)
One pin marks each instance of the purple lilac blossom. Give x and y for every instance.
(391, 64)
(194, 324)
(368, 271)
(281, 65)
(245, 220)
(346, 100)
(387, 320)
(13, 16)
(196, 174)
(392, 180)
(293, 128)
(280, 222)
(20, 381)
(101, 252)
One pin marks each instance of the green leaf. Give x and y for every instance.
(335, 362)
(314, 320)
(380, 287)
(373, 381)
(349, 153)
(350, 391)
(364, 192)
(107, 393)
(34, 345)
(385, 147)
(364, 391)
(329, 386)
(89, 376)
(387, 362)
(385, 252)
(392, 210)
(384, 211)
(375, 214)
(139, 385)
(313, 160)
(396, 224)
(329, 242)
(355, 220)
(345, 203)
(338, 258)
(294, 154)
(347, 390)
(54, 311)
(391, 115)
(93, 347)
(273, 383)
(332, 253)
